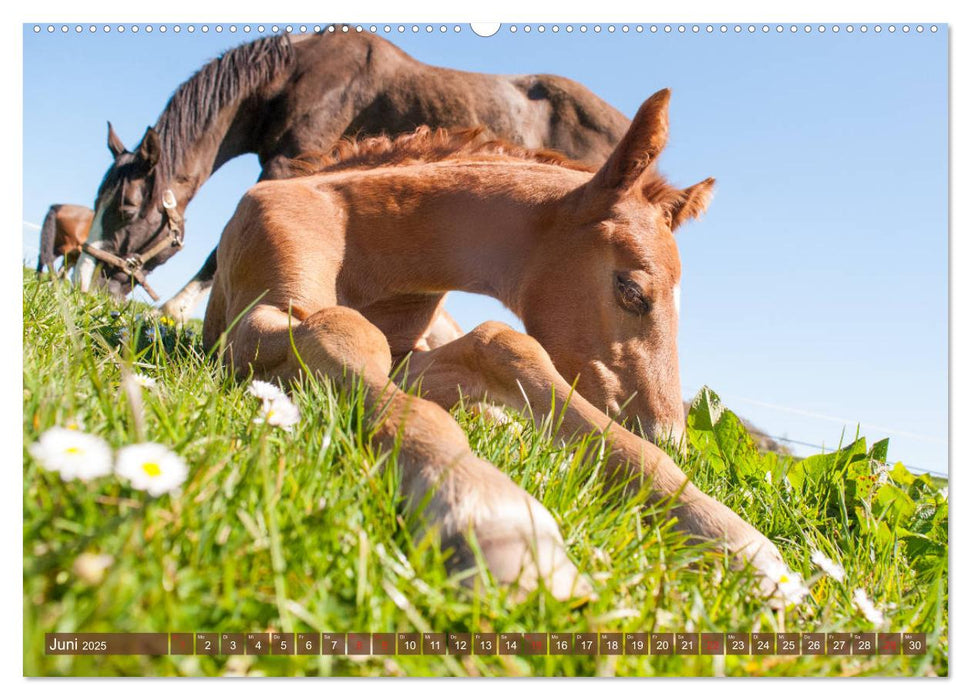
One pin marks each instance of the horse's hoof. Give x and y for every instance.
(174, 312)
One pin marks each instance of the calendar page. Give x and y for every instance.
(514, 349)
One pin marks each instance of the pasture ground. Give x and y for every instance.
(300, 531)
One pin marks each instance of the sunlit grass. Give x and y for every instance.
(300, 531)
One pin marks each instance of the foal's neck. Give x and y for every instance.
(480, 228)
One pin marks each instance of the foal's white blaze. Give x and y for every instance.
(677, 298)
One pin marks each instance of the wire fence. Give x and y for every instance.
(823, 448)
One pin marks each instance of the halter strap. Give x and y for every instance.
(133, 264)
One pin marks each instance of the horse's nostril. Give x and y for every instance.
(117, 289)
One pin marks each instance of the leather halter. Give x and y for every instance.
(133, 265)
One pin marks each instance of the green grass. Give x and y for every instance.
(301, 531)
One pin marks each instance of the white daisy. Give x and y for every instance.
(265, 391)
(151, 467)
(73, 454)
(144, 381)
(830, 567)
(789, 585)
(280, 413)
(867, 607)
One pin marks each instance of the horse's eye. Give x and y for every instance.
(129, 213)
(630, 296)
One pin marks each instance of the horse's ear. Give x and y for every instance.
(693, 202)
(114, 143)
(643, 142)
(150, 149)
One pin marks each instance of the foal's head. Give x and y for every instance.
(605, 304)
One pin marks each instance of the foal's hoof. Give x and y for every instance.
(524, 558)
(776, 583)
(527, 563)
(490, 413)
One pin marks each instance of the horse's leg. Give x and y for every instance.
(444, 329)
(444, 486)
(181, 305)
(495, 362)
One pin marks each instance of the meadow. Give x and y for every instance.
(299, 529)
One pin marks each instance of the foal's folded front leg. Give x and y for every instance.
(446, 489)
(512, 368)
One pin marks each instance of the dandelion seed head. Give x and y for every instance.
(144, 381)
(90, 568)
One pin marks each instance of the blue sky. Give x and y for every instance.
(815, 289)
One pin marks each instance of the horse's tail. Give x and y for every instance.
(48, 233)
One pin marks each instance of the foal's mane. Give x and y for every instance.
(427, 145)
(424, 145)
(224, 81)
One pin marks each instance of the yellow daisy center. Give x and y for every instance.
(73, 450)
(152, 468)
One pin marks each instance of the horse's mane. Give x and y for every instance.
(424, 145)
(233, 76)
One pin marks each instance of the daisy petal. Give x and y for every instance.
(152, 468)
(72, 453)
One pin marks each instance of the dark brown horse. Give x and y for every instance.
(64, 231)
(282, 96)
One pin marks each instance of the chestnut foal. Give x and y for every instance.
(355, 262)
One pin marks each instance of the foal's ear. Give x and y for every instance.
(693, 202)
(643, 142)
(150, 149)
(114, 143)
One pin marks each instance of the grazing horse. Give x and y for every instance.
(64, 231)
(282, 96)
(342, 273)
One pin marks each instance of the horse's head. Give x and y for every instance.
(133, 212)
(605, 305)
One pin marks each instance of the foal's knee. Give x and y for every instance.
(495, 343)
(339, 338)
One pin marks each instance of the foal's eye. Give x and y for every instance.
(630, 295)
